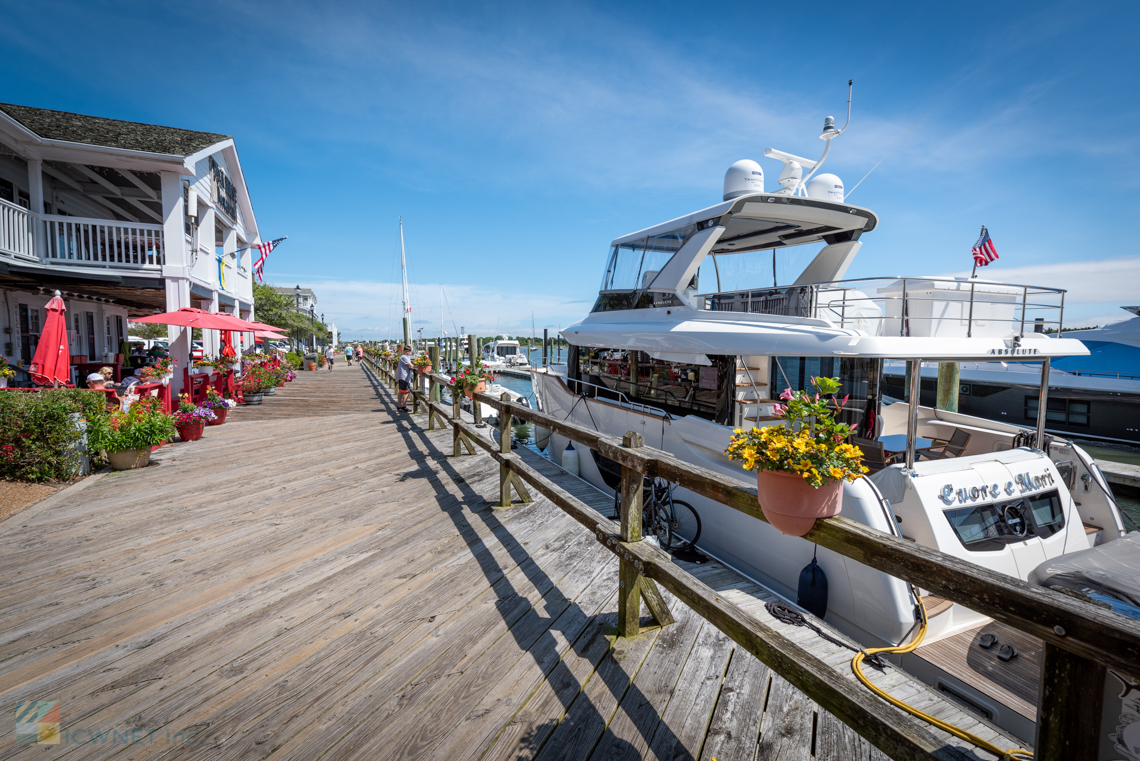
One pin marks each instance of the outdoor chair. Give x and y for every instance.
(955, 447)
(874, 456)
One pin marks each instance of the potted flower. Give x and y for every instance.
(205, 365)
(161, 371)
(6, 372)
(472, 379)
(127, 438)
(422, 364)
(254, 382)
(190, 420)
(218, 406)
(801, 465)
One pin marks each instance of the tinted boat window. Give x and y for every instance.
(990, 527)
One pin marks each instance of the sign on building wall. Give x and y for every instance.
(225, 192)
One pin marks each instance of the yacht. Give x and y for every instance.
(504, 353)
(687, 342)
(1090, 397)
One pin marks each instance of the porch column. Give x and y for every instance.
(176, 269)
(206, 268)
(229, 249)
(36, 196)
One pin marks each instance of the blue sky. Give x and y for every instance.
(516, 140)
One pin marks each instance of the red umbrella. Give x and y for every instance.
(263, 326)
(52, 364)
(268, 334)
(189, 317)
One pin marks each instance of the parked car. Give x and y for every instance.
(196, 350)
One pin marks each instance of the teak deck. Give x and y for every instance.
(318, 579)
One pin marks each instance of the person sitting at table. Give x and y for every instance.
(131, 380)
(108, 373)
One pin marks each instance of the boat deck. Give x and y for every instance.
(318, 579)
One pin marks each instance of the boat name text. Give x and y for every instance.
(1021, 484)
(1013, 351)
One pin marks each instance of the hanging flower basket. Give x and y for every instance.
(191, 431)
(801, 465)
(479, 388)
(792, 505)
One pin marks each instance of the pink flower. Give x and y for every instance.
(778, 409)
(786, 394)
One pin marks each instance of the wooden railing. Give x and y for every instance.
(1081, 639)
(102, 243)
(16, 237)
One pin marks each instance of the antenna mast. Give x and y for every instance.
(407, 301)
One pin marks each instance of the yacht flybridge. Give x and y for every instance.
(690, 337)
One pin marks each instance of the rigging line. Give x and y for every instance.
(888, 153)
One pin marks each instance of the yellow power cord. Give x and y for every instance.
(856, 663)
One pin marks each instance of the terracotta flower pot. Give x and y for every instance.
(312, 366)
(219, 416)
(191, 431)
(425, 370)
(129, 459)
(792, 505)
(480, 387)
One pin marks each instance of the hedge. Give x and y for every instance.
(38, 436)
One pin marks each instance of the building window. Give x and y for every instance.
(90, 335)
(122, 336)
(108, 337)
(1063, 411)
(29, 332)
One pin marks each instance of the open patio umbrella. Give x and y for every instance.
(263, 326)
(269, 334)
(51, 364)
(189, 317)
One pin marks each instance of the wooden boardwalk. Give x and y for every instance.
(317, 579)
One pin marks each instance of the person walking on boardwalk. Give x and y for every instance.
(330, 355)
(360, 355)
(348, 354)
(404, 374)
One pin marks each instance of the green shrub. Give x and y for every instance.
(293, 360)
(38, 437)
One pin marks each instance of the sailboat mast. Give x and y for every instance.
(407, 301)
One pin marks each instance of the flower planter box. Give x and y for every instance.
(129, 459)
(792, 505)
(271, 391)
(219, 416)
(253, 398)
(191, 431)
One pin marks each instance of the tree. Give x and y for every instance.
(147, 330)
(280, 309)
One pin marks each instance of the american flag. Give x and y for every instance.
(264, 249)
(984, 251)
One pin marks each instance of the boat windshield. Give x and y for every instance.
(632, 264)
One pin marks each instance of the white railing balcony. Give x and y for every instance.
(16, 237)
(102, 243)
(916, 307)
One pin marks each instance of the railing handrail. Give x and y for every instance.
(1080, 638)
(893, 278)
(1113, 641)
(660, 412)
(15, 207)
(97, 221)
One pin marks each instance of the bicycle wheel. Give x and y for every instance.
(684, 527)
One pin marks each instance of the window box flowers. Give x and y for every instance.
(472, 379)
(800, 466)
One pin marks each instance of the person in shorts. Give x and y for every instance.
(404, 374)
(330, 355)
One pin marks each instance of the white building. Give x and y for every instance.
(126, 220)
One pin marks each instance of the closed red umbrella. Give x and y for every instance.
(52, 363)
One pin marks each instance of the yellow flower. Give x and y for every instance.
(836, 473)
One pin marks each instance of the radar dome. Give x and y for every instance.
(743, 177)
(825, 187)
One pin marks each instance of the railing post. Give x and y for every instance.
(1024, 299)
(504, 448)
(970, 320)
(455, 432)
(629, 596)
(903, 311)
(1070, 701)
(433, 387)
(1042, 403)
